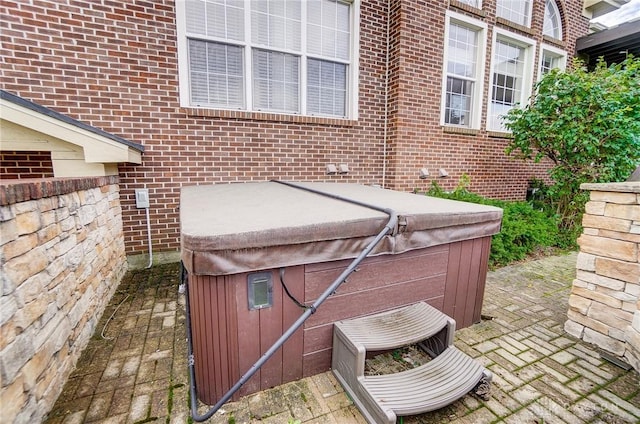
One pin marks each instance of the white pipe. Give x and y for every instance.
(149, 238)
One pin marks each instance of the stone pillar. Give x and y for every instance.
(604, 306)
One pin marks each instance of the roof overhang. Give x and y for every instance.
(613, 44)
(77, 149)
(594, 8)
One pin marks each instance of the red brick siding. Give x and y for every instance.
(24, 165)
(114, 65)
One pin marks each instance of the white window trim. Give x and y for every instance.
(561, 54)
(351, 106)
(476, 107)
(527, 83)
(557, 12)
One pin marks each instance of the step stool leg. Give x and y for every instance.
(483, 388)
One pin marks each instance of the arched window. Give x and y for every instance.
(552, 21)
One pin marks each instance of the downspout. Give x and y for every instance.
(149, 238)
(390, 227)
(386, 100)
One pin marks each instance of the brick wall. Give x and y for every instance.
(604, 306)
(62, 255)
(24, 165)
(113, 65)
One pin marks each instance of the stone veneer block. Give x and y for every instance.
(604, 341)
(579, 303)
(588, 322)
(606, 223)
(592, 279)
(574, 329)
(616, 235)
(595, 208)
(632, 355)
(619, 198)
(586, 262)
(620, 270)
(630, 212)
(597, 296)
(602, 246)
(612, 317)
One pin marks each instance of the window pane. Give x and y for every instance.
(458, 102)
(326, 88)
(515, 11)
(474, 3)
(507, 79)
(461, 56)
(328, 31)
(276, 24)
(195, 17)
(275, 81)
(216, 18)
(549, 61)
(216, 77)
(552, 25)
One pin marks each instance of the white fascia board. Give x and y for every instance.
(97, 149)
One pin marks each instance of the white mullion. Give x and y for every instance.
(248, 64)
(351, 106)
(460, 77)
(303, 59)
(329, 59)
(184, 68)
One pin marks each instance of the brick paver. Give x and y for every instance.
(135, 369)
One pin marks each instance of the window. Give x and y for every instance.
(473, 3)
(517, 11)
(552, 23)
(511, 76)
(551, 58)
(283, 56)
(462, 76)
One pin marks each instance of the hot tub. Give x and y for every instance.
(243, 243)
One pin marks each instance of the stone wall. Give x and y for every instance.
(604, 306)
(62, 254)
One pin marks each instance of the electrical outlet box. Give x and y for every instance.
(142, 198)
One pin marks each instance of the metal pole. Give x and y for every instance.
(390, 227)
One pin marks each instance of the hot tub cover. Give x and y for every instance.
(240, 227)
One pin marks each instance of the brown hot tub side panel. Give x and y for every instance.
(228, 337)
(466, 275)
(450, 278)
(213, 323)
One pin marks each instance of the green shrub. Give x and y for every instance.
(587, 125)
(524, 228)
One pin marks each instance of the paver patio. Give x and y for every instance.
(135, 368)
